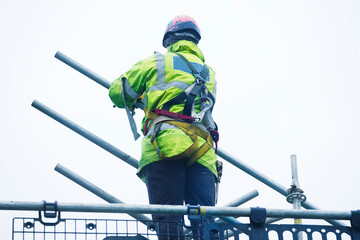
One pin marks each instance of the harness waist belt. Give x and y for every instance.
(193, 130)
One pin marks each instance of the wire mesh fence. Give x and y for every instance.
(81, 229)
(113, 229)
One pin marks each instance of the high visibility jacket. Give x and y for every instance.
(160, 78)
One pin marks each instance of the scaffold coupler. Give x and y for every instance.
(257, 223)
(295, 192)
(50, 211)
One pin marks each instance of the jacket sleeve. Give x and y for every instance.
(133, 83)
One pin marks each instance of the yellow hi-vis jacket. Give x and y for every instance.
(160, 78)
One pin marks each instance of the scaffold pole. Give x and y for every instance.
(173, 209)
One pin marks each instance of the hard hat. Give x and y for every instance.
(182, 24)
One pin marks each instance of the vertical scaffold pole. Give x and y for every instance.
(296, 186)
(295, 183)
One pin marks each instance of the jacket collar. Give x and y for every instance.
(184, 46)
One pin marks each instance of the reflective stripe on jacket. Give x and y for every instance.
(160, 78)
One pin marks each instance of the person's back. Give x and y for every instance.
(178, 162)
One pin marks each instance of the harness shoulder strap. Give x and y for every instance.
(200, 79)
(204, 72)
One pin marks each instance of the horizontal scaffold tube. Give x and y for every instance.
(171, 209)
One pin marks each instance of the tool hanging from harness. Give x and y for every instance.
(189, 120)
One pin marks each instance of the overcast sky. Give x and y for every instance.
(288, 76)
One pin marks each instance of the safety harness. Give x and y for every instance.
(189, 120)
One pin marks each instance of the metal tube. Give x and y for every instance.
(87, 72)
(295, 183)
(237, 163)
(243, 199)
(96, 190)
(173, 209)
(86, 134)
(294, 171)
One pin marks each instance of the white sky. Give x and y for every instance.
(288, 77)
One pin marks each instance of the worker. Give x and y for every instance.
(178, 161)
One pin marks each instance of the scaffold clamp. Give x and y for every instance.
(195, 212)
(50, 210)
(295, 193)
(257, 223)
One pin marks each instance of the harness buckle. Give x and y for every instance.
(204, 108)
(197, 118)
(199, 79)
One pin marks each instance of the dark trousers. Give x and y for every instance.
(173, 183)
